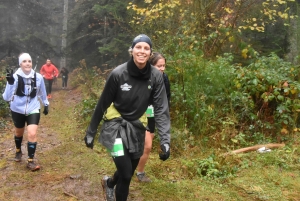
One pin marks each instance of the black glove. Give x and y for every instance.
(10, 77)
(46, 110)
(165, 152)
(89, 141)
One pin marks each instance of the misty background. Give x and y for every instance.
(100, 31)
(66, 31)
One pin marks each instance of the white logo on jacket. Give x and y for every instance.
(125, 87)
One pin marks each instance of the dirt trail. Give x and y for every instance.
(18, 183)
(68, 172)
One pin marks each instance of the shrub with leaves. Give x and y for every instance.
(4, 107)
(211, 168)
(200, 91)
(227, 104)
(272, 84)
(92, 80)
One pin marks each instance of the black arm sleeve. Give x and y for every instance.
(105, 100)
(161, 110)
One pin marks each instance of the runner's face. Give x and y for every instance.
(48, 62)
(141, 53)
(26, 66)
(161, 65)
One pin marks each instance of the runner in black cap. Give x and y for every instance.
(128, 91)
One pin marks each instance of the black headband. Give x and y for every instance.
(141, 38)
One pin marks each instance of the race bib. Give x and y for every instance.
(150, 111)
(117, 149)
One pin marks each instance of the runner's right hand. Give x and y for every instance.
(89, 141)
(10, 77)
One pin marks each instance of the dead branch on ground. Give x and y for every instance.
(254, 148)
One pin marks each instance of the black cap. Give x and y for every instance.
(141, 38)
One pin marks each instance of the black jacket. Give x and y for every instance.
(132, 90)
(64, 72)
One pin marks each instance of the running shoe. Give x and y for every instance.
(143, 178)
(108, 192)
(32, 166)
(18, 156)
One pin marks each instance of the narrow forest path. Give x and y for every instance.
(62, 176)
(69, 170)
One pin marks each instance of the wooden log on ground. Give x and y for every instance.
(70, 194)
(254, 148)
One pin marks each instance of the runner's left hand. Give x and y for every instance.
(46, 110)
(165, 152)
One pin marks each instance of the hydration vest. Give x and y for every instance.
(21, 86)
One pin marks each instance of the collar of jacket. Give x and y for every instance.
(22, 74)
(134, 71)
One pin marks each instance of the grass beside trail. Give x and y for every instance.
(258, 179)
(71, 171)
(72, 158)
(270, 176)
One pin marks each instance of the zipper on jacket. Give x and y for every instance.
(26, 105)
(26, 101)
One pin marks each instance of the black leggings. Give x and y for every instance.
(65, 81)
(21, 119)
(48, 84)
(122, 177)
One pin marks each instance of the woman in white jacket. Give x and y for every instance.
(23, 89)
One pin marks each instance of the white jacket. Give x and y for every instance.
(26, 104)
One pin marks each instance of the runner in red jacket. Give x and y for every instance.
(49, 72)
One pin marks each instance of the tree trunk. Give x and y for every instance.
(64, 35)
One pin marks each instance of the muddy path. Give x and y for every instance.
(69, 170)
(18, 183)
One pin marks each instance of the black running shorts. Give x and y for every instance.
(151, 124)
(20, 119)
